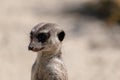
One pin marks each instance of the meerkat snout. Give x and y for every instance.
(45, 37)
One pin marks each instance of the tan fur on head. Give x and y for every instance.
(50, 33)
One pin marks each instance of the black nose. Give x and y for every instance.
(30, 47)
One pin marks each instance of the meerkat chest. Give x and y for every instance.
(48, 68)
(51, 66)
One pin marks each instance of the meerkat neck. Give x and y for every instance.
(45, 56)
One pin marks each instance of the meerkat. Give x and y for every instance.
(46, 39)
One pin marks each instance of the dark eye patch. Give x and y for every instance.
(42, 37)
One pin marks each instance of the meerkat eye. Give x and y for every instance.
(42, 37)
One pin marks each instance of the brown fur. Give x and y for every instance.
(48, 64)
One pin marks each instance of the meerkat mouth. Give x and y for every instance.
(36, 49)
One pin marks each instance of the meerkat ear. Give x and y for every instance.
(61, 35)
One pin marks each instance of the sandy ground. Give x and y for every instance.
(90, 50)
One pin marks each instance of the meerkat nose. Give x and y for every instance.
(30, 47)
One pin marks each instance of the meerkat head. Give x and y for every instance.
(46, 37)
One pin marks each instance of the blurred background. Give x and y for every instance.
(91, 49)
